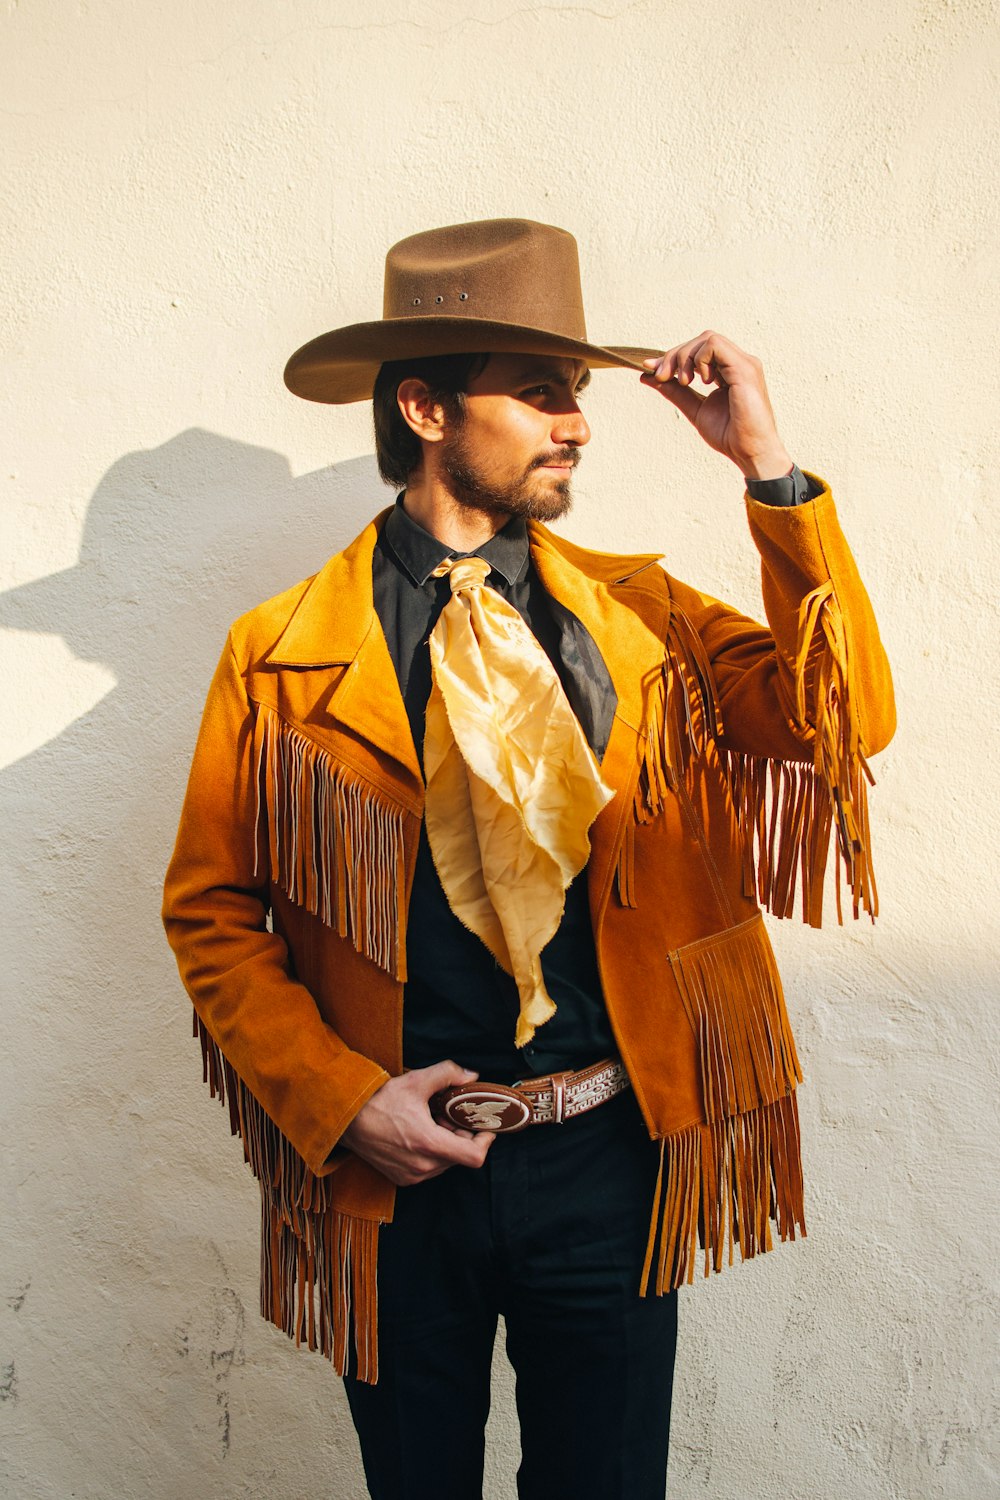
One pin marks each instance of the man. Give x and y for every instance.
(514, 1041)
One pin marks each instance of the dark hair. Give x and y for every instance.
(397, 447)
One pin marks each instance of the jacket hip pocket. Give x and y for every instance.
(732, 995)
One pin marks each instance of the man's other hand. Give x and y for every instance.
(396, 1133)
(736, 419)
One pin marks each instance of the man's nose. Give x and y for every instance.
(570, 426)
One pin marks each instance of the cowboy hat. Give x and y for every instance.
(493, 286)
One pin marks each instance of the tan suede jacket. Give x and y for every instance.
(738, 756)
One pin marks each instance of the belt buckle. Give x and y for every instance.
(494, 1107)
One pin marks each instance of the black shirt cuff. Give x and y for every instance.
(791, 489)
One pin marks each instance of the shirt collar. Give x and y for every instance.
(419, 553)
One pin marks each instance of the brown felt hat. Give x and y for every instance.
(496, 286)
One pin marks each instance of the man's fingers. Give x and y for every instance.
(679, 363)
(698, 361)
(710, 357)
(477, 1150)
(465, 1150)
(681, 367)
(662, 368)
(412, 1175)
(439, 1150)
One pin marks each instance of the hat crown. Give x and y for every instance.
(506, 270)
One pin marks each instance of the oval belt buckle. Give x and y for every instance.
(492, 1107)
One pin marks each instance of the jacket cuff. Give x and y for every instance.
(323, 1161)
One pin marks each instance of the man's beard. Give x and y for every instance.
(472, 489)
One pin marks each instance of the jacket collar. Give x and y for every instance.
(598, 567)
(336, 611)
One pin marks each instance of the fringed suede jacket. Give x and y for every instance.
(737, 753)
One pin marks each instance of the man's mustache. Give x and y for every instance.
(569, 456)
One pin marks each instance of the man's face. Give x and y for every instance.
(514, 452)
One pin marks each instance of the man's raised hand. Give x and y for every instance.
(736, 418)
(396, 1133)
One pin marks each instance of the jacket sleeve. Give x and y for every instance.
(798, 705)
(774, 685)
(265, 1022)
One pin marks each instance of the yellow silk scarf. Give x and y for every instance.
(512, 785)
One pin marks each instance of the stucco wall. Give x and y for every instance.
(189, 191)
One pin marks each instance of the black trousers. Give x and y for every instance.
(551, 1234)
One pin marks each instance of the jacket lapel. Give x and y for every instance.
(608, 595)
(336, 625)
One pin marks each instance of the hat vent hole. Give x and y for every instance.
(416, 301)
(438, 299)
(463, 296)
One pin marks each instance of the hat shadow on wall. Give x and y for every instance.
(178, 541)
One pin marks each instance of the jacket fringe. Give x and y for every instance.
(682, 714)
(785, 810)
(318, 1266)
(721, 1184)
(335, 843)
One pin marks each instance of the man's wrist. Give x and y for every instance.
(777, 464)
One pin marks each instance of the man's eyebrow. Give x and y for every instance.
(540, 375)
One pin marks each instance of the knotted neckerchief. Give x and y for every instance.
(512, 785)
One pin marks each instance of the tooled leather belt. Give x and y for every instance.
(550, 1100)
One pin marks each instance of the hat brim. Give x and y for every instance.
(342, 366)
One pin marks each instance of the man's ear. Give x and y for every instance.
(421, 413)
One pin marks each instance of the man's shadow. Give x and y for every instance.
(120, 1161)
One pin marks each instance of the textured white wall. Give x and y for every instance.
(190, 191)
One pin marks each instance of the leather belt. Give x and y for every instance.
(550, 1100)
